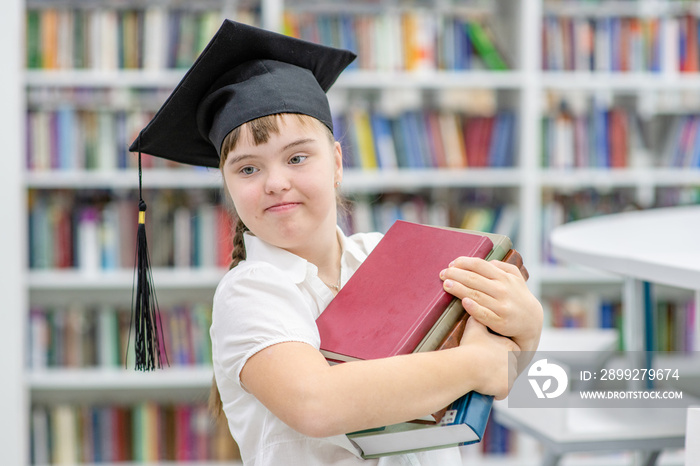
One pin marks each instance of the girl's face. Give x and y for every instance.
(284, 189)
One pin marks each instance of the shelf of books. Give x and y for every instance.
(429, 129)
(499, 116)
(617, 128)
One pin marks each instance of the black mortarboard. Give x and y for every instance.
(242, 74)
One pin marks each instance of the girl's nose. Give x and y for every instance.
(277, 181)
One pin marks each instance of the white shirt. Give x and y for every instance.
(272, 297)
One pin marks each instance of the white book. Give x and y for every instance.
(109, 40)
(206, 236)
(106, 145)
(670, 31)
(602, 44)
(182, 237)
(64, 434)
(155, 38)
(65, 39)
(107, 336)
(41, 450)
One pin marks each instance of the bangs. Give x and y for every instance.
(260, 130)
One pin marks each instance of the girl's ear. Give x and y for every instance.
(338, 158)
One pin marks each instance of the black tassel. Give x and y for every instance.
(149, 344)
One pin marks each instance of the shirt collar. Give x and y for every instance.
(295, 266)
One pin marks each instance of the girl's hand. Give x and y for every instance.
(495, 294)
(495, 358)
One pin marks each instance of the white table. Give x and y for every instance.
(659, 246)
(656, 245)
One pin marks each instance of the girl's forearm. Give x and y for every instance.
(374, 393)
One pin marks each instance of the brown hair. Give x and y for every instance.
(260, 130)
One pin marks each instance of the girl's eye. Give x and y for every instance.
(248, 170)
(297, 159)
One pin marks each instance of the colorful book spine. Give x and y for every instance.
(370, 214)
(409, 39)
(65, 38)
(83, 336)
(146, 432)
(92, 233)
(602, 138)
(427, 139)
(667, 43)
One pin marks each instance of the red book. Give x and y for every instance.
(396, 295)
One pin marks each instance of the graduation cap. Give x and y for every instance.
(243, 73)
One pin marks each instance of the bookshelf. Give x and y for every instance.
(541, 196)
(14, 402)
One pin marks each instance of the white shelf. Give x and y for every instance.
(102, 379)
(349, 80)
(406, 179)
(623, 81)
(103, 78)
(125, 179)
(120, 385)
(431, 80)
(627, 177)
(354, 180)
(77, 280)
(560, 275)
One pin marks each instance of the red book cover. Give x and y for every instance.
(396, 295)
(618, 138)
(471, 129)
(485, 140)
(690, 64)
(183, 435)
(224, 238)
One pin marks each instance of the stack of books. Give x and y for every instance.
(363, 323)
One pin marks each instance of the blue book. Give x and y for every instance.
(465, 46)
(410, 144)
(694, 159)
(600, 130)
(607, 315)
(348, 38)
(383, 141)
(66, 141)
(464, 424)
(500, 147)
(615, 36)
(399, 143)
(420, 119)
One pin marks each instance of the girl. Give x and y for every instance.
(267, 126)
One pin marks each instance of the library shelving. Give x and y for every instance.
(563, 84)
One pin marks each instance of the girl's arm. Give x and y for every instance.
(294, 381)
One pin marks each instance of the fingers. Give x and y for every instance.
(475, 329)
(489, 269)
(463, 283)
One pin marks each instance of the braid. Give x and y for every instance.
(238, 253)
(216, 408)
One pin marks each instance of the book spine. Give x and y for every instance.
(415, 39)
(111, 39)
(84, 337)
(580, 42)
(424, 139)
(602, 138)
(148, 431)
(95, 235)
